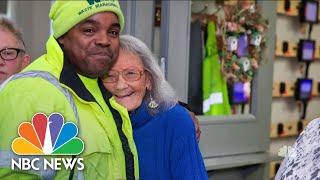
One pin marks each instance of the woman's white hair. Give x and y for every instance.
(161, 90)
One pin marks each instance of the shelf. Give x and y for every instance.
(288, 128)
(289, 89)
(292, 49)
(293, 11)
(275, 162)
(291, 52)
(273, 168)
(233, 161)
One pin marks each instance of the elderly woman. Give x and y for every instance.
(163, 130)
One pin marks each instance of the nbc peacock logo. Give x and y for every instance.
(47, 136)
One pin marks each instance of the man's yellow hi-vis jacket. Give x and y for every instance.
(51, 84)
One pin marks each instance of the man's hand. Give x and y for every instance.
(194, 119)
(196, 124)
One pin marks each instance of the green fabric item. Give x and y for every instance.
(215, 93)
(21, 175)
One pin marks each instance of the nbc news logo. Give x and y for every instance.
(47, 136)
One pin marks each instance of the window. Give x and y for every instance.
(3, 7)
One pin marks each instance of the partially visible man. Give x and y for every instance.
(13, 57)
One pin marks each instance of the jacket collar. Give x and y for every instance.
(68, 75)
(54, 56)
(70, 78)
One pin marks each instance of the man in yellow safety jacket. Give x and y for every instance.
(83, 47)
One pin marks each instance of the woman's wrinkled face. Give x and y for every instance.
(128, 80)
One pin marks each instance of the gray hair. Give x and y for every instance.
(8, 25)
(161, 91)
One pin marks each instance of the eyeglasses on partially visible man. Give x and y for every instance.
(9, 54)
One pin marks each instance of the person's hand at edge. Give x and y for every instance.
(194, 119)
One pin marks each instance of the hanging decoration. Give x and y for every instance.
(241, 34)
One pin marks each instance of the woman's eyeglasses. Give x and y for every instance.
(9, 54)
(128, 75)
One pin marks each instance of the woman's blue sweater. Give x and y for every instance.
(167, 145)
